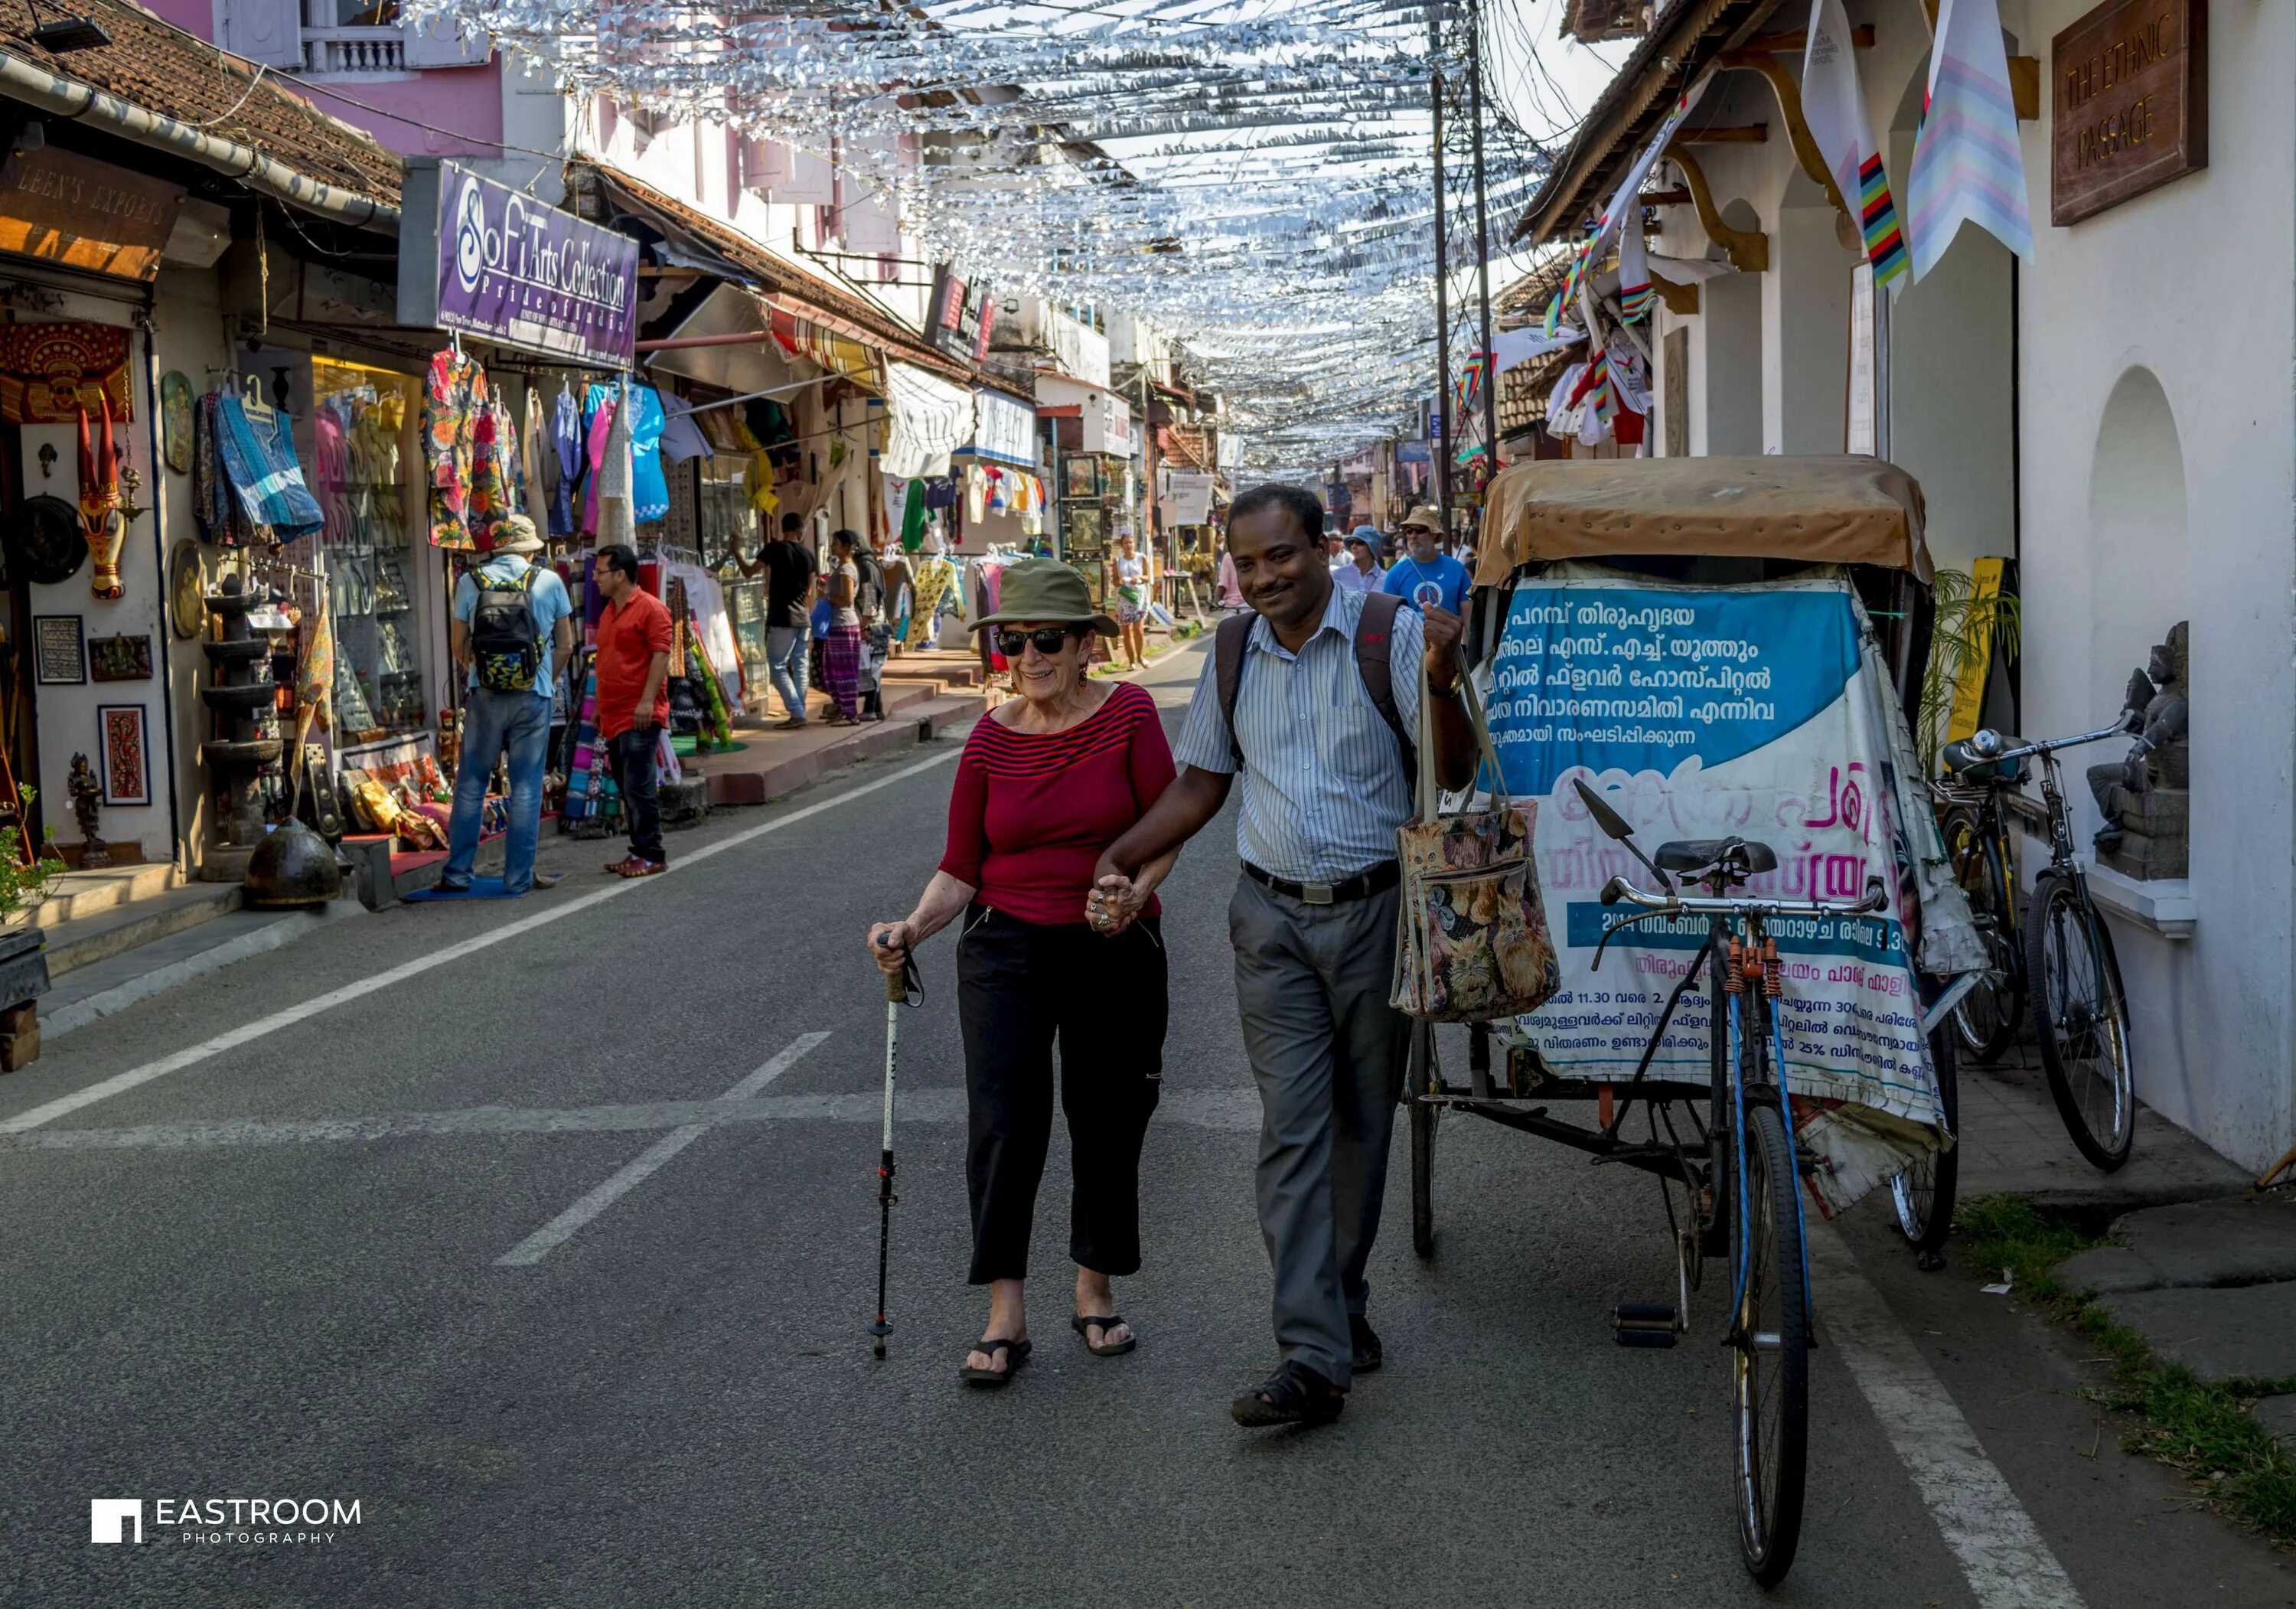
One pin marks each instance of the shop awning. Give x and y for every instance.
(927, 420)
(833, 313)
(1004, 429)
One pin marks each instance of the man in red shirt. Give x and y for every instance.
(633, 668)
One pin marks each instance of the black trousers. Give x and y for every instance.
(1020, 986)
(633, 752)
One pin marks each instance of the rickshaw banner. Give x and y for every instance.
(1704, 711)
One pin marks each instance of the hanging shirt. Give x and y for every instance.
(649, 488)
(454, 402)
(566, 438)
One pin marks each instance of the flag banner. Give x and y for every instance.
(1514, 347)
(1703, 711)
(1968, 165)
(1634, 278)
(1834, 104)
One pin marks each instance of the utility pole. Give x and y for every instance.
(1483, 243)
(1441, 446)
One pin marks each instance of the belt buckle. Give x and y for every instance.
(1315, 893)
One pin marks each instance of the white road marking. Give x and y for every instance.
(263, 1027)
(554, 1234)
(1233, 1111)
(2002, 1553)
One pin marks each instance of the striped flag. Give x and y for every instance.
(1968, 167)
(1834, 103)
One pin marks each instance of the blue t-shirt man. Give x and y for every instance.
(546, 599)
(1441, 580)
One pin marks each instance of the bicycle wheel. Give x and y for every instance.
(1924, 1192)
(1770, 1400)
(2081, 1019)
(1986, 1018)
(1423, 1114)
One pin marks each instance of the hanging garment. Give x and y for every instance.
(615, 488)
(649, 488)
(454, 402)
(493, 479)
(259, 461)
(565, 439)
(912, 516)
(533, 461)
(976, 495)
(682, 440)
(599, 416)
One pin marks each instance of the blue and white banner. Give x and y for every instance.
(1763, 712)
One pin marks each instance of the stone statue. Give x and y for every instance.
(2145, 798)
(87, 797)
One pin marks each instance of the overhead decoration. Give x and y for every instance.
(1834, 103)
(1967, 162)
(1256, 184)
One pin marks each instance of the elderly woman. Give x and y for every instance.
(1047, 781)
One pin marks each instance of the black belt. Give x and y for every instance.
(1386, 875)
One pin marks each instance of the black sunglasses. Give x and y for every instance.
(1048, 639)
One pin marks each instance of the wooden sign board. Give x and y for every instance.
(2131, 104)
(65, 207)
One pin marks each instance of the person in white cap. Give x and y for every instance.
(513, 631)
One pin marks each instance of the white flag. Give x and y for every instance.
(1834, 101)
(1968, 165)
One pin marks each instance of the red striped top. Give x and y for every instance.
(1031, 812)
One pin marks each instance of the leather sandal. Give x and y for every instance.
(1016, 1353)
(1294, 1394)
(1084, 1325)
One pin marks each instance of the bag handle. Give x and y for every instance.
(1429, 795)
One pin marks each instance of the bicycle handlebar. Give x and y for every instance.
(2048, 744)
(1877, 898)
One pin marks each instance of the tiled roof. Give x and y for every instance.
(1184, 444)
(162, 68)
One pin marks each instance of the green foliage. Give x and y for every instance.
(2202, 1430)
(1958, 635)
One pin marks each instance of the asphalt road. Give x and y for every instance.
(429, 1213)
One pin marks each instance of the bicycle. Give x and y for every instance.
(1748, 1193)
(2054, 955)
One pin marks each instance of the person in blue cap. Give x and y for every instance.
(1360, 572)
(1426, 574)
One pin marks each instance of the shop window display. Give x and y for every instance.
(358, 429)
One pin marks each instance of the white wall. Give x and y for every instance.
(2191, 282)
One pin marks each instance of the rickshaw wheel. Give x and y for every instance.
(1770, 1399)
(1923, 1193)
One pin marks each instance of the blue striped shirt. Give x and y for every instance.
(1323, 782)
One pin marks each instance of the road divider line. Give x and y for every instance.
(247, 1034)
(561, 1228)
(2001, 1551)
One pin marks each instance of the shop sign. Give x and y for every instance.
(484, 259)
(2131, 104)
(1005, 430)
(61, 207)
(1107, 423)
(1190, 499)
(961, 315)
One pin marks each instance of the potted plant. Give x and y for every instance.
(25, 880)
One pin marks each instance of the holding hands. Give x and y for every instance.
(1112, 905)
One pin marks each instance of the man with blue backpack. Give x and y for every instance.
(513, 631)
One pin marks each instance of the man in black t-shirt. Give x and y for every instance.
(789, 570)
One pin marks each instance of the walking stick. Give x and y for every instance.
(904, 988)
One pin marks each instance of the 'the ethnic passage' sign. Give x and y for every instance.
(2131, 104)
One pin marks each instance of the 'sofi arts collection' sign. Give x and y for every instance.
(484, 259)
(2131, 104)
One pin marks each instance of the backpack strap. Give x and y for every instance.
(1375, 646)
(1227, 671)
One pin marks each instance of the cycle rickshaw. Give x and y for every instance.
(1701, 672)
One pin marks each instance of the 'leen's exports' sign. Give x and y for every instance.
(495, 262)
(2130, 103)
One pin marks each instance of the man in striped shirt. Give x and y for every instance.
(1313, 920)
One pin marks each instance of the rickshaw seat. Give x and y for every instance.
(1696, 854)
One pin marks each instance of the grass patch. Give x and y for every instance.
(2202, 1430)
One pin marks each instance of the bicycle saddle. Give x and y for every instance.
(1745, 855)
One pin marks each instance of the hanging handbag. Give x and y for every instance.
(1473, 943)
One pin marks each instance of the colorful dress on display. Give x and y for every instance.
(566, 439)
(649, 488)
(453, 404)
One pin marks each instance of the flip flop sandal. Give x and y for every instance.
(1294, 1394)
(1016, 1353)
(1106, 1348)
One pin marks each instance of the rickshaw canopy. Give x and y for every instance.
(1837, 509)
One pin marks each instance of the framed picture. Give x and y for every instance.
(120, 658)
(1080, 476)
(126, 761)
(56, 644)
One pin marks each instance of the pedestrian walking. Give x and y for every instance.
(1426, 574)
(840, 650)
(1362, 572)
(1047, 781)
(635, 634)
(1314, 699)
(512, 631)
(1231, 590)
(787, 567)
(1131, 602)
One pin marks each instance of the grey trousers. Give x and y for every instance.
(1327, 1051)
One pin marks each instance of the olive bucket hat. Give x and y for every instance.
(1046, 590)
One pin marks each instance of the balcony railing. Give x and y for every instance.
(353, 52)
